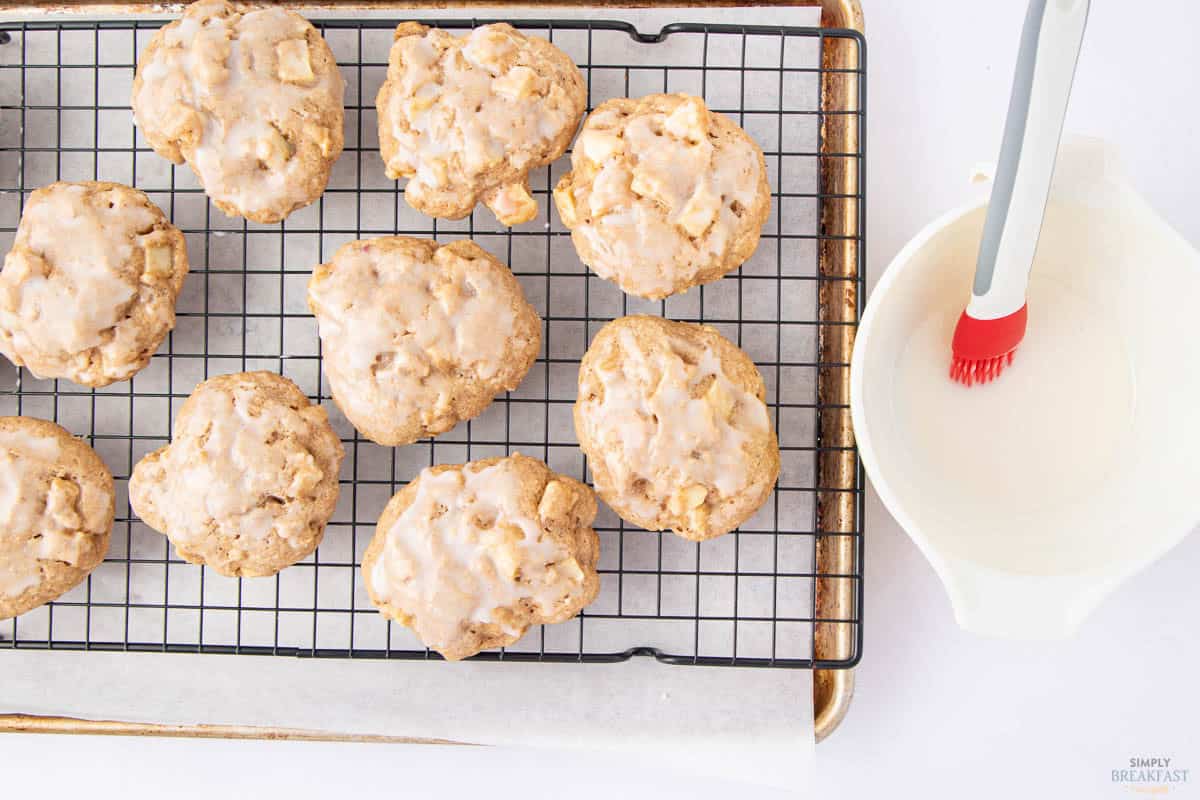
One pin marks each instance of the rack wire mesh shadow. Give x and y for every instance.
(745, 599)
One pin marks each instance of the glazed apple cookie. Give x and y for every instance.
(419, 337)
(470, 556)
(251, 98)
(663, 194)
(466, 119)
(672, 419)
(250, 477)
(56, 513)
(88, 290)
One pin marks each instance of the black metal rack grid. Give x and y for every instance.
(746, 599)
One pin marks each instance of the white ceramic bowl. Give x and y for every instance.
(1012, 565)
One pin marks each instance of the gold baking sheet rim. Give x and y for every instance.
(836, 470)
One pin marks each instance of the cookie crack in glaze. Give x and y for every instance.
(418, 337)
(663, 194)
(471, 556)
(249, 479)
(466, 119)
(251, 98)
(672, 417)
(88, 290)
(56, 512)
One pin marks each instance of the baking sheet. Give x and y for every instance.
(634, 705)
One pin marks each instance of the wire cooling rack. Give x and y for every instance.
(748, 598)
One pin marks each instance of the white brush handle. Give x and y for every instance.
(1050, 45)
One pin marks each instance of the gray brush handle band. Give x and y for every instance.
(1010, 147)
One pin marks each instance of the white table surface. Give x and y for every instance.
(937, 713)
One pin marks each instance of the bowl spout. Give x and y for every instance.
(1008, 605)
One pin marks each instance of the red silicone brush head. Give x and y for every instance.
(984, 347)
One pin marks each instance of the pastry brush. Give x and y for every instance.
(993, 324)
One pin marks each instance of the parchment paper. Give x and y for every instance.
(748, 724)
